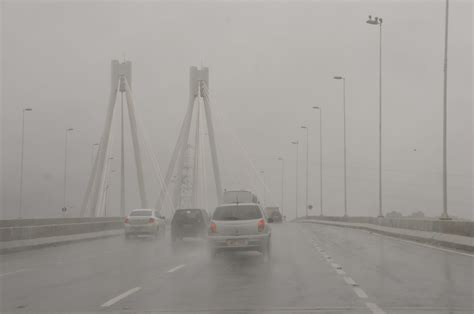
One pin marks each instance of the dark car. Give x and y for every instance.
(189, 223)
(276, 217)
(273, 214)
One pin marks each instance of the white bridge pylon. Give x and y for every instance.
(186, 174)
(94, 198)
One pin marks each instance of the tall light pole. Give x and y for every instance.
(320, 157)
(345, 147)
(282, 184)
(307, 165)
(444, 215)
(20, 208)
(264, 192)
(378, 21)
(296, 200)
(65, 168)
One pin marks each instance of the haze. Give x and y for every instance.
(269, 62)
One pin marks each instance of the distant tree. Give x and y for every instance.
(394, 214)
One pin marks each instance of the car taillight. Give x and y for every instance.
(261, 225)
(151, 220)
(126, 220)
(213, 227)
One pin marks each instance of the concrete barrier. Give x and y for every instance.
(451, 234)
(457, 227)
(15, 234)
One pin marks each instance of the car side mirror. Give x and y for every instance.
(270, 220)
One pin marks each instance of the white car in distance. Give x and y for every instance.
(144, 222)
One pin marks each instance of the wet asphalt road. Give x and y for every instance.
(313, 269)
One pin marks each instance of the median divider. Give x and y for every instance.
(455, 234)
(23, 234)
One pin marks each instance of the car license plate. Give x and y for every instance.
(237, 242)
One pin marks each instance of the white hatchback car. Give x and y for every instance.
(239, 227)
(144, 221)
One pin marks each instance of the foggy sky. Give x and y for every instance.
(269, 62)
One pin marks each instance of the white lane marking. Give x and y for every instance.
(350, 281)
(172, 270)
(374, 308)
(15, 272)
(425, 245)
(120, 297)
(336, 266)
(340, 272)
(360, 293)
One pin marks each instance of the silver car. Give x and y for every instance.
(144, 221)
(239, 227)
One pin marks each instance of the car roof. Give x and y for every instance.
(239, 204)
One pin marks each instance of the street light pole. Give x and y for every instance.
(20, 208)
(264, 192)
(282, 184)
(320, 158)
(307, 165)
(445, 216)
(65, 168)
(345, 147)
(378, 21)
(297, 158)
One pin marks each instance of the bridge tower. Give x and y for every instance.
(183, 166)
(94, 198)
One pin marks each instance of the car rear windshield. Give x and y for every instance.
(237, 212)
(141, 213)
(183, 215)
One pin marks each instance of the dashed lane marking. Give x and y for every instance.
(355, 286)
(350, 281)
(172, 270)
(336, 266)
(120, 297)
(374, 308)
(360, 293)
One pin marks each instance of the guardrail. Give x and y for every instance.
(457, 227)
(25, 229)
